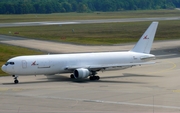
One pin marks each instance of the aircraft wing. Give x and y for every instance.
(104, 67)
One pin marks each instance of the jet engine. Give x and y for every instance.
(81, 73)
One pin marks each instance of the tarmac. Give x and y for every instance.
(16, 24)
(143, 89)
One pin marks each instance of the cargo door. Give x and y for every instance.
(24, 64)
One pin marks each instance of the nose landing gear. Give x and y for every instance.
(16, 81)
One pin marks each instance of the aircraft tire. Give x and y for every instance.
(94, 78)
(16, 81)
(97, 77)
(72, 76)
(91, 78)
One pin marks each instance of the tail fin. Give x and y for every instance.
(145, 42)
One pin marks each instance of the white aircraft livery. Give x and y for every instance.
(83, 65)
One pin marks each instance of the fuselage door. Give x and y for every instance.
(24, 64)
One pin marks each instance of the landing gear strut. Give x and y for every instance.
(15, 79)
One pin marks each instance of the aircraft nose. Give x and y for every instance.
(4, 68)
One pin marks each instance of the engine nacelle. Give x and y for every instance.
(81, 73)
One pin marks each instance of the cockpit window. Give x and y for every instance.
(6, 63)
(11, 63)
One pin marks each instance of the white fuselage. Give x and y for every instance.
(62, 63)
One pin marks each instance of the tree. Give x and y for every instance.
(82, 8)
(2, 8)
(67, 6)
(54, 6)
(74, 6)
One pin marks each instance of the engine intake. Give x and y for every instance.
(81, 73)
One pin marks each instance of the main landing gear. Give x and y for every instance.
(15, 79)
(94, 78)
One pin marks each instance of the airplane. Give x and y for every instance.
(83, 65)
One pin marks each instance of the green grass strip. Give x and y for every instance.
(96, 34)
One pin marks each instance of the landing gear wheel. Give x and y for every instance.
(94, 78)
(91, 78)
(16, 81)
(97, 77)
(72, 76)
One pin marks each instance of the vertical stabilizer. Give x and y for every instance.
(145, 42)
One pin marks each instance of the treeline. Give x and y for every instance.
(56, 6)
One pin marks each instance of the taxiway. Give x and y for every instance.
(86, 21)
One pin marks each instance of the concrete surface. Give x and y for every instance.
(86, 21)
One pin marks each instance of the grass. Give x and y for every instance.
(96, 34)
(7, 52)
(87, 16)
